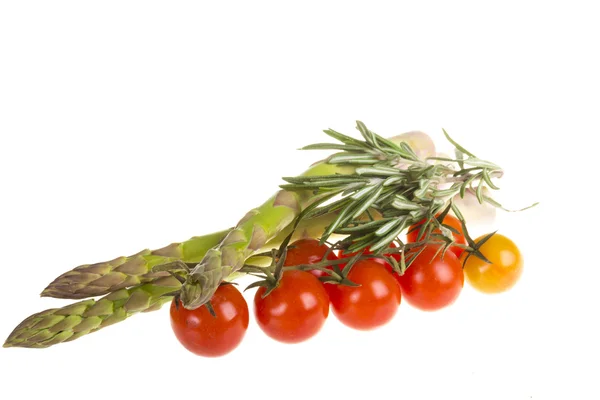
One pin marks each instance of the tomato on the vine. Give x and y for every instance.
(505, 269)
(413, 233)
(212, 336)
(295, 310)
(370, 305)
(432, 282)
(308, 251)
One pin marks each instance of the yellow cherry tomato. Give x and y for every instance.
(504, 271)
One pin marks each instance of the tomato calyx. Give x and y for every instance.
(392, 258)
(344, 272)
(439, 229)
(270, 275)
(474, 248)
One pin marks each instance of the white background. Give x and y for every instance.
(129, 125)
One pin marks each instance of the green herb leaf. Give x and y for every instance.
(458, 146)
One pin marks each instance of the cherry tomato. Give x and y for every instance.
(431, 283)
(413, 233)
(370, 305)
(295, 311)
(504, 271)
(207, 335)
(387, 265)
(308, 251)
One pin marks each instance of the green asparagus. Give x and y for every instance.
(68, 323)
(101, 278)
(98, 279)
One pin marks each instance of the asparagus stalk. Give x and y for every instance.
(68, 323)
(98, 279)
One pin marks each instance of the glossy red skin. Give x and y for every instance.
(387, 265)
(371, 305)
(295, 311)
(308, 251)
(432, 285)
(413, 232)
(202, 334)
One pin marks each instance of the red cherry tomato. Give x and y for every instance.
(295, 311)
(370, 305)
(308, 251)
(207, 335)
(431, 283)
(413, 233)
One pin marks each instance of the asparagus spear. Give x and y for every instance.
(68, 323)
(101, 278)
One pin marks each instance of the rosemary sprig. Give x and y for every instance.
(391, 182)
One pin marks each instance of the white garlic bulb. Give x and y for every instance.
(474, 212)
(419, 141)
